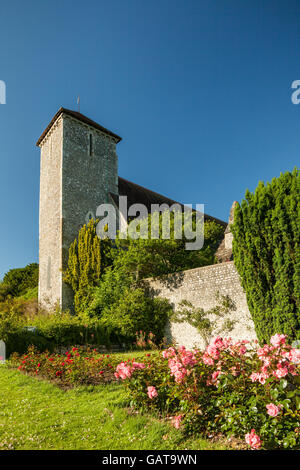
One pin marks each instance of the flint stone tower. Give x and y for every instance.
(79, 171)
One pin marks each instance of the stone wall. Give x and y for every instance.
(200, 286)
(50, 236)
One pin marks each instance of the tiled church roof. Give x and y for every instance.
(138, 194)
(80, 117)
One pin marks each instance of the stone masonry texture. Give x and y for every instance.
(199, 286)
(79, 168)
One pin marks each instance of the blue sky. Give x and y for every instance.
(200, 92)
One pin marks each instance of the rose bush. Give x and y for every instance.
(76, 366)
(237, 389)
(234, 388)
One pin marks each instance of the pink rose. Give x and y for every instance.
(138, 365)
(176, 421)
(253, 440)
(152, 392)
(259, 377)
(294, 356)
(281, 372)
(179, 375)
(207, 360)
(217, 342)
(169, 353)
(123, 371)
(188, 358)
(263, 352)
(273, 410)
(215, 375)
(213, 351)
(277, 340)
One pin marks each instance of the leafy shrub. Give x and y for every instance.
(76, 366)
(144, 340)
(31, 293)
(125, 308)
(152, 257)
(48, 331)
(17, 281)
(136, 311)
(114, 283)
(266, 249)
(232, 388)
(26, 305)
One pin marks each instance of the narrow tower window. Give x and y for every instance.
(91, 145)
(49, 273)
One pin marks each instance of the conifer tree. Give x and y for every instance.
(85, 264)
(266, 249)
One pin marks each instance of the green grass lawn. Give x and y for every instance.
(35, 414)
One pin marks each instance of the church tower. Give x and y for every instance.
(79, 171)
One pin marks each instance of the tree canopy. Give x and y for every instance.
(17, 281)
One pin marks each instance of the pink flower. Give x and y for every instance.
(267, 361)
(262, 378)
(188, 358)
(214, 378)
(281, 372)
(176, 421)
(227, 342)
(215, 375)
(273, 410)
(207, 360)
(264, 369)
(213, 351)
(242, 350)
(169, 353)
(277, 340)
(124, 371)
(152, 392)
(253, 440)
(138, 365)
(239, 347)
(294, 356)
(217, 342)
(259, 377)
(179, 375)
(263, 352)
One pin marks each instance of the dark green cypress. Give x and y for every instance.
(266, 249)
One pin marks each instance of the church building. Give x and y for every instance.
(78, 172)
